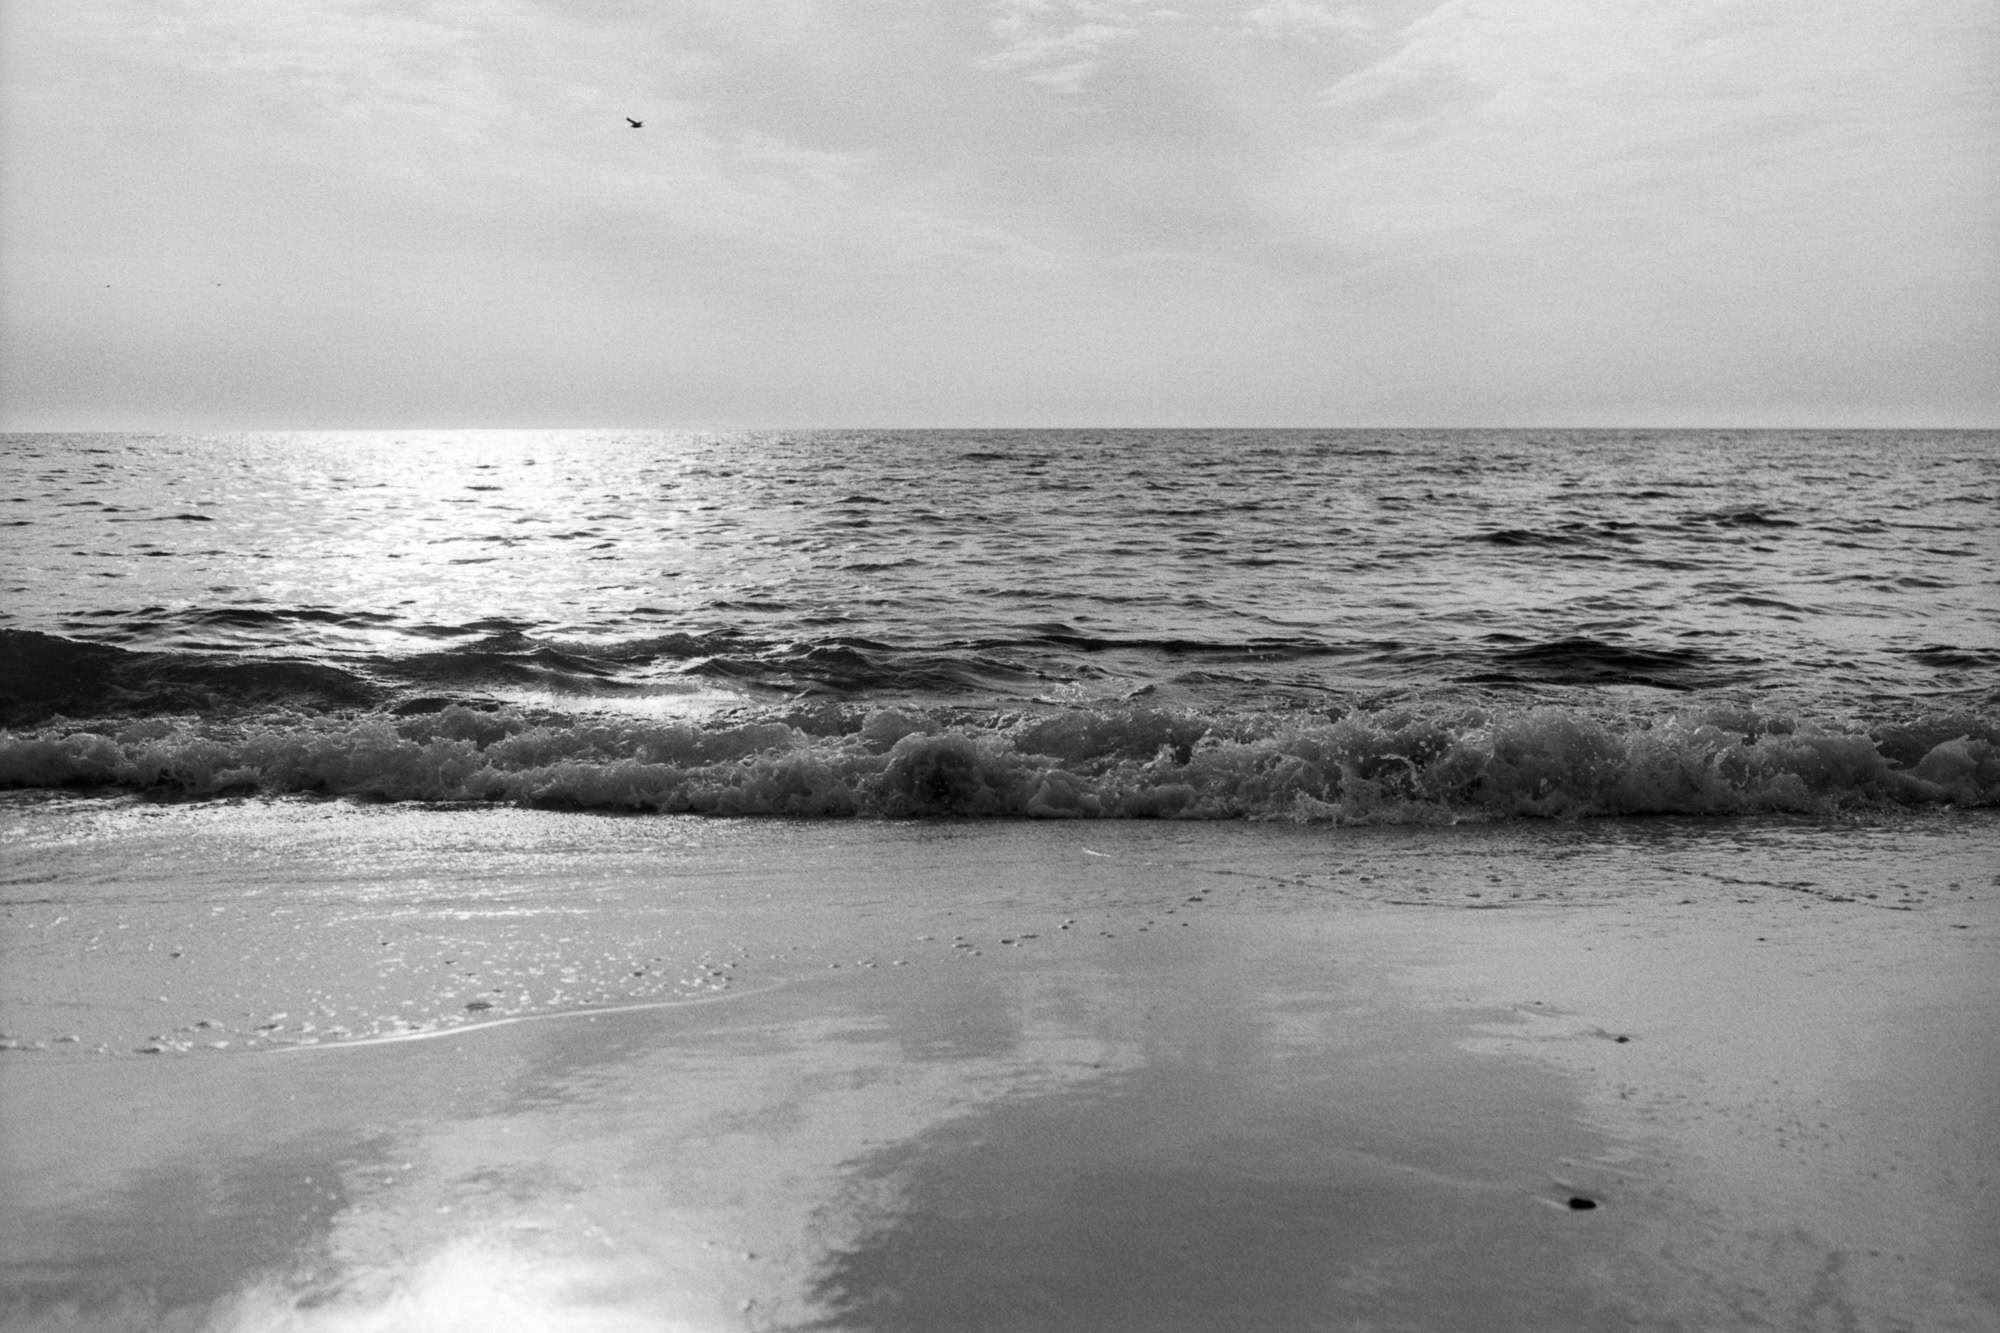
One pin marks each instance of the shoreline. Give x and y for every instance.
(1126, 1077)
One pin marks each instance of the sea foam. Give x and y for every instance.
(1402, 764)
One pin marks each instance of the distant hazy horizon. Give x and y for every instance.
(243, 214)
(999, 428)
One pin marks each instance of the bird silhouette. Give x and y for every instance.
(635, 124)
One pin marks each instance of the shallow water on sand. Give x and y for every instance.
(915, 1076)
(135, 927)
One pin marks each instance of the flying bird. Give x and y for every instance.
(635, 124)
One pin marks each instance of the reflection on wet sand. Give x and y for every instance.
(1280, 1109)
(1157, 1142)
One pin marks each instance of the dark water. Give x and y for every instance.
(1359, 625)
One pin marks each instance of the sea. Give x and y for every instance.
(1415, 627)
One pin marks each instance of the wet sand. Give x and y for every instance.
(1006, 1076)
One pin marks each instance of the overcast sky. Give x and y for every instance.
(230, 213)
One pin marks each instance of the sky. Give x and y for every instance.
(234, 214)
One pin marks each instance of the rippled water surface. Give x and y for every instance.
(1096, 618)
(1857, 566)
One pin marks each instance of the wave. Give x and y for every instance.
(1744, 516)
(1587, 661)
(45, 676)
(1563, 535)
(1403, 763)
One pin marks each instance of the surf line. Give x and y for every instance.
(487, 1025)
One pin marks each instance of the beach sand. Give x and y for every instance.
(315, 1065)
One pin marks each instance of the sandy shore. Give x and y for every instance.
(1007, 1076)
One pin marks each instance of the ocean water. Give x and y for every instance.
(1323, 626)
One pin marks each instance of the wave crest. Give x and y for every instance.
(1404, 764)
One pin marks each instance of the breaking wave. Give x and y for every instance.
(1411, 763)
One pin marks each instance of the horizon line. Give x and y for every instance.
(823, 428)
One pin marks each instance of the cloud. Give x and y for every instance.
(1508, 116)
(839, 204)
(1057, 43)
(1280, 20)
